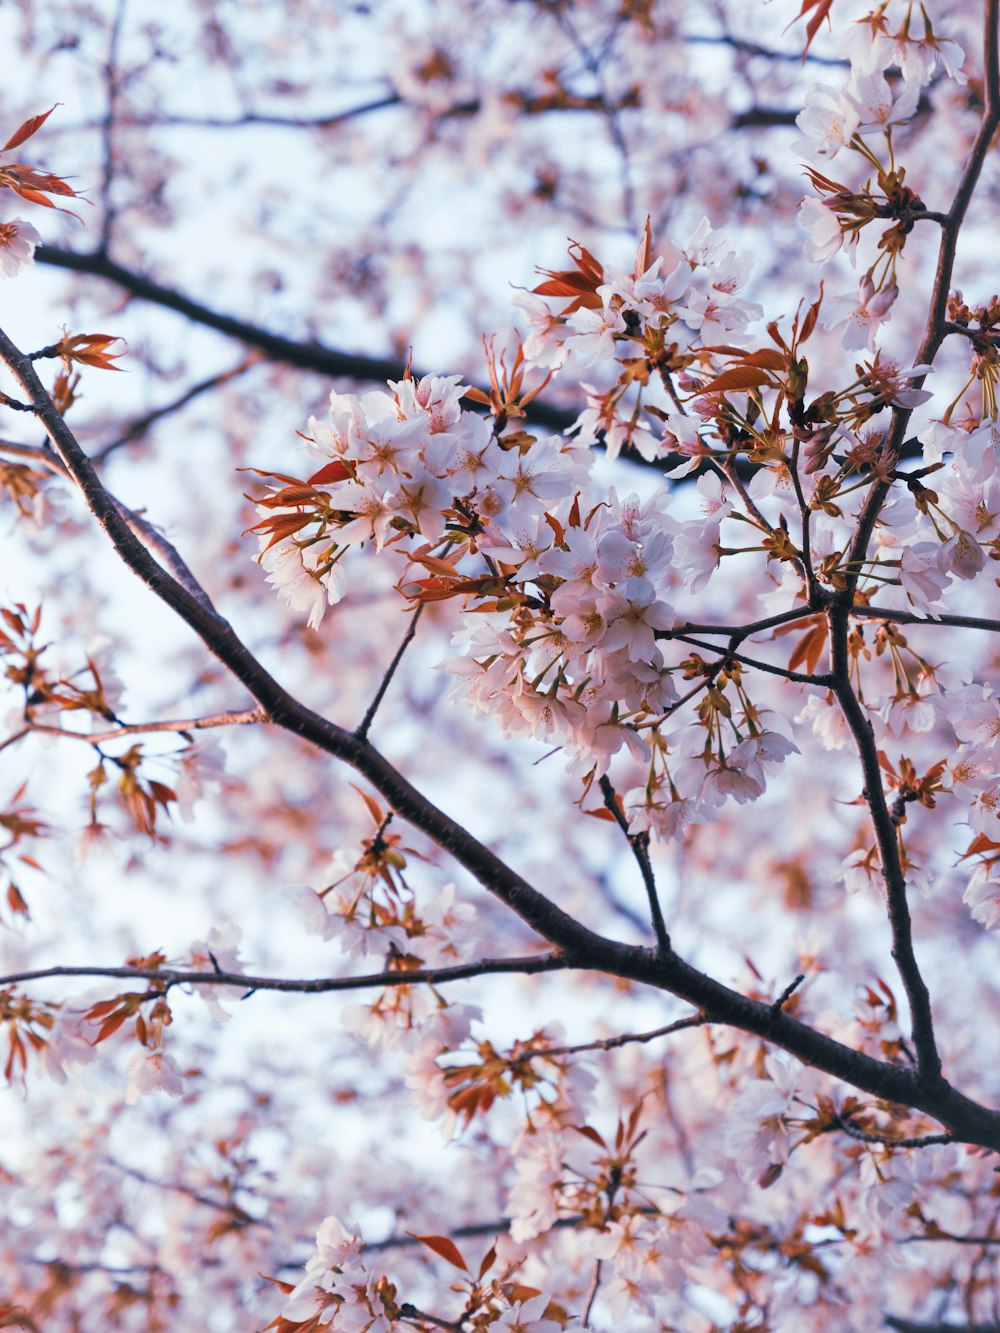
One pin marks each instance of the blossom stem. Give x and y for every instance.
(639, 844)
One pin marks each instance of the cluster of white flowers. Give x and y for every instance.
(577, 599)
(340, 1292)
(337, 1289)
(571, 588)
(413, 463)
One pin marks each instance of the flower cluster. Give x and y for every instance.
(339, 1291)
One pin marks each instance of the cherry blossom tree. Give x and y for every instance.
(523, 852)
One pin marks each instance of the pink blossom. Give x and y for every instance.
(593, 333)
(829, 120)
(861, 318)
(18, 241)
(153, 1071)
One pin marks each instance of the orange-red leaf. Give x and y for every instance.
(15, 900)
(767, 358)
(329, 473)
(809, 649)
(446, 1248)
(644, 253)
(91, 349)
(822, 8)
(980, 843)
(738, 378)
(812, 314)
(111, 1025)
(25, 131)
(374, 809)
(489, 1259)
(591, 1134)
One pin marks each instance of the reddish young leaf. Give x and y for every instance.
(767, 359)
(738, 378)
(591, 1134)
(25, 131)
(329, 473)
(374, 809)
(812, 314)
(446, 1248)
(489, 1259)
(90, 349)
(822, 8)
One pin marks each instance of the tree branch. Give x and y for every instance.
(311, 356)
(928, 1059)
(624, 1039)
(240, 718)
(165, 977)
(138, 428)
(916, 618)
(364, 725)
(929, 1062)
(639, 843)
(915, 1326)
(887, 1141)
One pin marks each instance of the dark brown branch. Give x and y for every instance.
(41, 455)
(915, 1326)
(906, 617)
(766, 117)
(167, 976)
(936, 328)
(311, 356)
(798, 677)
(888, 1141)
(737, 633)
(928, 1060)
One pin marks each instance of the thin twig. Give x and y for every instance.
(167, 977)
(887, 1141)
(108, 127)
(639, 843)
(625, 1038)
(361, 732)
(903, 617)
(138, 428)
(595, 1286)
(859, 724)
(34, 453)
(799, 677)
(241, 718)
(238, 1214)
(788, 992)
